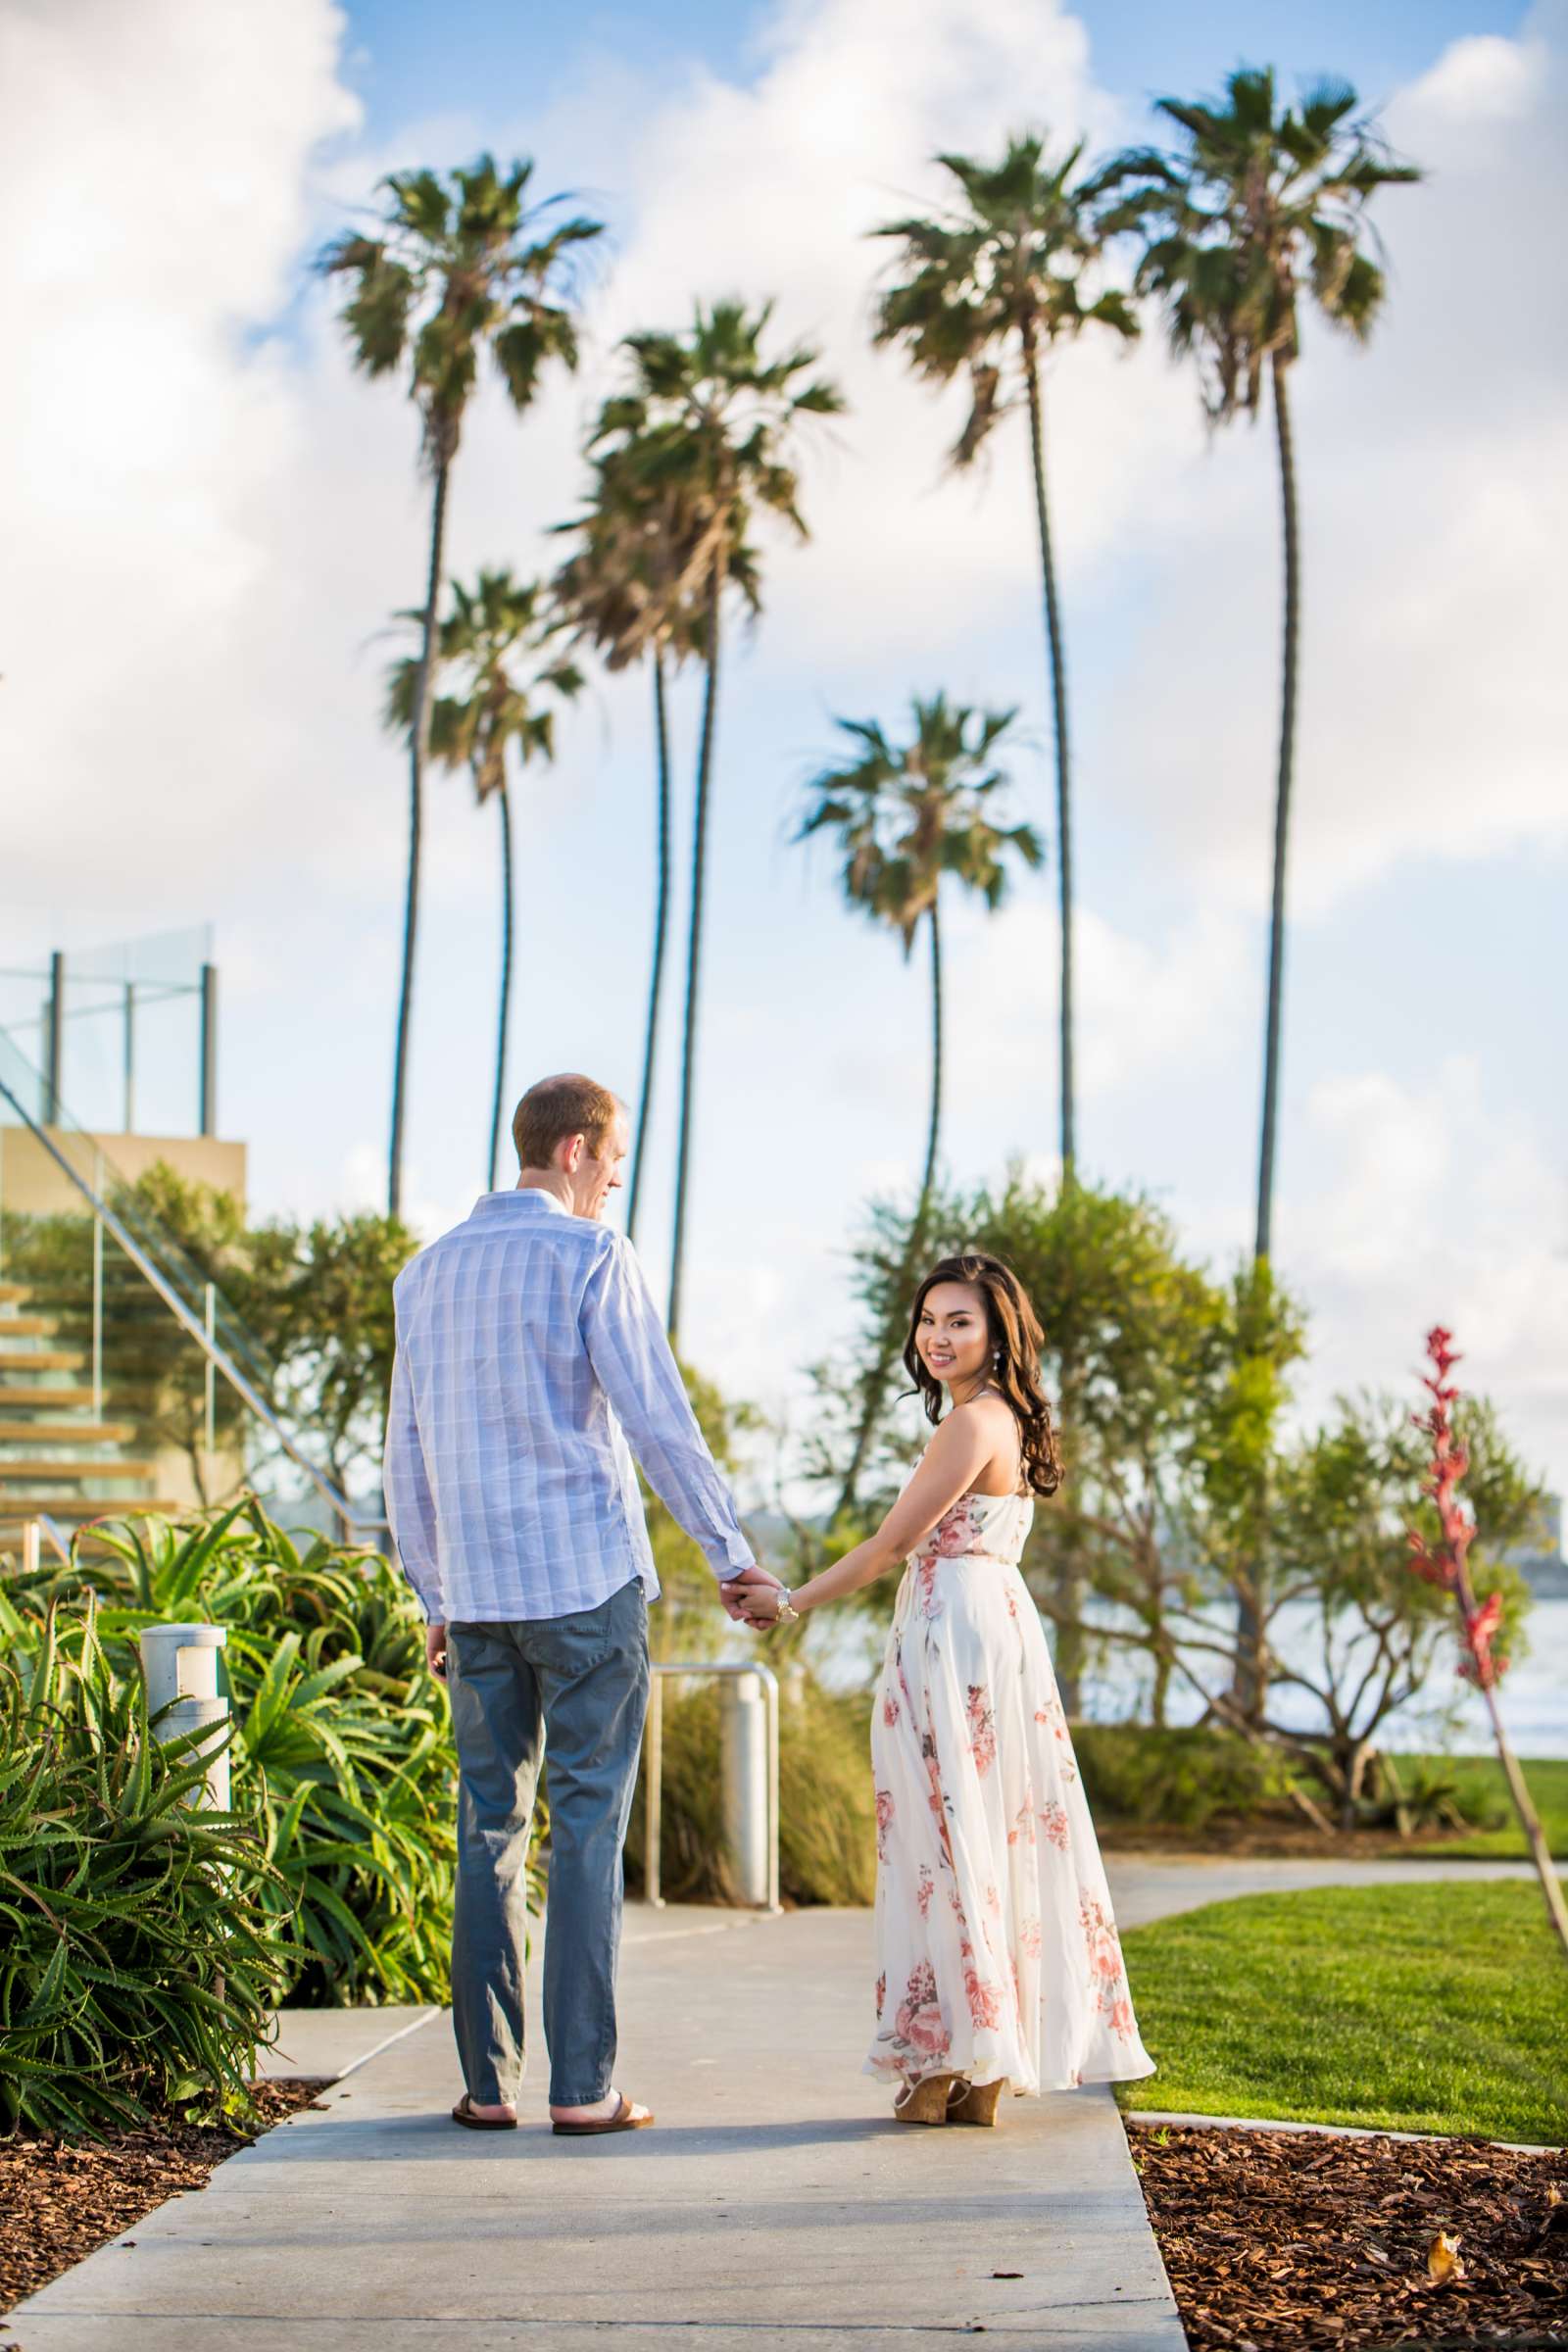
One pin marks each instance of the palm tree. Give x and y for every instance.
(905, 817)
(497, 647)
(990, 288)
(459, 266)
(1261, 204)
(628, 590)
(709, 422)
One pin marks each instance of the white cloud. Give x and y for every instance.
(1436, 1206)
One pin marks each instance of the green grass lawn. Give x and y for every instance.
(1483, 1797)
(1425, 2008)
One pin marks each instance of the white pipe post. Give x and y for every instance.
(179, 1666)
(747, 1811)
(654, 1793)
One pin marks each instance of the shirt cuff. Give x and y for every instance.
(738, 1556)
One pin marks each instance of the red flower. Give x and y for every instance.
(1445, 1564)
(1480, 1628)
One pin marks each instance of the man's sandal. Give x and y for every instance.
(624, 2119)
(463, 2113)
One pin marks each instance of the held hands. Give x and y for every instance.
(760, 1606)
(740, 1594)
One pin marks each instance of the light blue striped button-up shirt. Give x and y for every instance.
(529, 1351)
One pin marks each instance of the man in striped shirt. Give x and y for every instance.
(529, 1355)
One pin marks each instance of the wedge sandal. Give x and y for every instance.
(976, 2103)
(925, 2101)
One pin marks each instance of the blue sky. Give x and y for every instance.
(251, 513)
(410, 60)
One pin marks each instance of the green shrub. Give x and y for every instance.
(341, 1749)
(136, 1963)
(827, 1823)
(1184, 1779)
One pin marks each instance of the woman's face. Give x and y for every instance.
(952, 1338)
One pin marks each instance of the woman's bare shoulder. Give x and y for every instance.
(989, 1410)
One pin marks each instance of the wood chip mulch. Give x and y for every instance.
(1275, 2241)
(61, 2199)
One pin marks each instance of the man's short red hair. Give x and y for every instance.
(558, 1109)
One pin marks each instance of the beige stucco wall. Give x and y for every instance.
(32, 1184)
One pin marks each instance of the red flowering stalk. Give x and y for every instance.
(1447, 1564)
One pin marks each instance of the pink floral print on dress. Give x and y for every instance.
(982, 1729)
(920, 2022)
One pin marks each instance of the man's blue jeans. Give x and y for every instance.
(575, 1687)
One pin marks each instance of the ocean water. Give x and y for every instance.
(1446, 1715)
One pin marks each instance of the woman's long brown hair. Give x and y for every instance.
(1015, 1340)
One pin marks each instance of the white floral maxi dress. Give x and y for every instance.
(997, 1952)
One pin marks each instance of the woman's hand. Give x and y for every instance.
(761, 1605)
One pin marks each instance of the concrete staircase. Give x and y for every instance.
(56, 1461)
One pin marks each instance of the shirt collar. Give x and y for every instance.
(491, 1204)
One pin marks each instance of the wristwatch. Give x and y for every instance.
(787, 1614)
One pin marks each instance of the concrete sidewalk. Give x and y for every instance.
(1149, 1886)
(775, 2207)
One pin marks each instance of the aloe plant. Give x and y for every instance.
(137, 1958)
(341, 1747)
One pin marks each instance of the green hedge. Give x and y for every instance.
(1184, 1779)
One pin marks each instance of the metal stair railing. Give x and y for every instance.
(197, 1304)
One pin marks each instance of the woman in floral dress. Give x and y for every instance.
(998, 1955)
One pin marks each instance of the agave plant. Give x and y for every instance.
(341, 1747)
(136, 1963)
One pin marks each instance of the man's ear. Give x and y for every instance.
(571, 1153)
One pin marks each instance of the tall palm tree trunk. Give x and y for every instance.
(1058, 707)
(933, 1132)
(1252, 1663)
(661, 934)
(503, 1014)
(1282, 809)
(694, 948)
(876, 1381)
(419, 744)
(1068, 1579)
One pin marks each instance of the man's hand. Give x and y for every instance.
(734, 1588)
(435, 1650)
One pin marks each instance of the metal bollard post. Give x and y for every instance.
(747, 1810)
(179, 1664)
